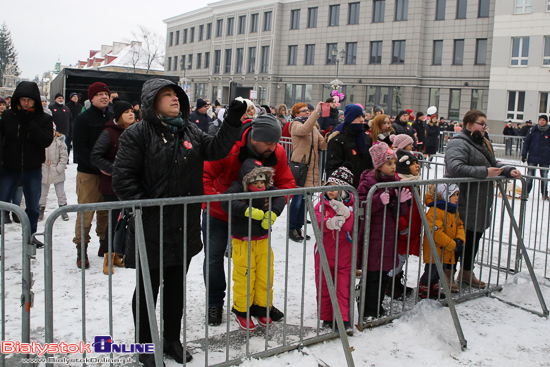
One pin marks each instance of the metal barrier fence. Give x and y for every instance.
(219, 345)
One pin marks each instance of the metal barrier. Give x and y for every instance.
(501, 249)
(223, 345)
(18, 272)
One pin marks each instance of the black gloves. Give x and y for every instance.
(235, 111)
(459, 245)
(523, 159)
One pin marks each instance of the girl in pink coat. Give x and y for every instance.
(335, 217)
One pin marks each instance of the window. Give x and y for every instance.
(217, 61)
(312, 17)
(438, 52)
(200, 91)
(440, 9)
(175, 63)
(189, 62)
(310, 55)
(461, 6)
(454, 104)
(523, 6)
(184, 36)
(353, 13)
(295, 19)
(351, 53)
(267, 20)
(228, 54)
(398, 52)
(182, 62)
(375, 52)
(177, 37)
(458, 52)
(209, 31)
(483, 9)
(544, 105)
(230, 22)
(206, 60)
(434, 97)
(199, 61)
(171, 42)
(378, 11)
(334, 15)
(292, 54)
(242, 24)
(389, 98)
(477, 100)
(201, 31)
(481, 51)
(169, 66)
(251, 59)
(520, 51)
(331, 60)
(546, 58)
(239, 63)
(219, 27)
(254, 23)
(265, 59)
(295, 93)
(548, 6)
(192, 35)
(516, 105)
(401, 9)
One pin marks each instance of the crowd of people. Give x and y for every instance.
(163, 148)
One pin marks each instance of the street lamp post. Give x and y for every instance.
(342, 56)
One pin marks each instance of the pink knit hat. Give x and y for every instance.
(381, 153)
(401, 141)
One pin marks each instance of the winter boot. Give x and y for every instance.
(430, 292)
(41, 215)
(103, 248)
(106, 264)
(398, 283)
(450, 275)
(117, 260)
(15, 218)
(464, 276)
(79, 262)
(64, 216)
(7, 219)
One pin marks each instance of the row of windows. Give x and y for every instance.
(461, 9)
(458, 52)
(174, 37)
(516, 105)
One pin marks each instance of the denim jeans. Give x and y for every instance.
(296, 213)
(217, 244)
(543, 173)
(32, 186)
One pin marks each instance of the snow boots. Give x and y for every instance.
(450, 276)
(115, 260)
(41, 215)
(468, 278)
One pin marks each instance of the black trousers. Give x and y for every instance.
(373, 296)
(471, 247)
(173, 303)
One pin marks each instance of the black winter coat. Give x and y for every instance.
(202, 121)
(536, 147)
(432, 136)
(329, 121)
(145, 154)
(404, 128)
(75, 108)
(25, 134)
(418, 126)
(87, 127)
(62, 118)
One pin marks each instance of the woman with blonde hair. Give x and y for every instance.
(281, 113)
(381, 129)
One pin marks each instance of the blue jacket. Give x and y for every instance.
(536, 146)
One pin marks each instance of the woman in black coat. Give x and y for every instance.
(160, 157)
(432, 136)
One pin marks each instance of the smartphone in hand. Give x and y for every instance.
(325, 109)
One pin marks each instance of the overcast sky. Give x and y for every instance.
(44, 31)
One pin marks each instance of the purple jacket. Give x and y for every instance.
(376, 258)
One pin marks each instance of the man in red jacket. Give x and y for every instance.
(260, 141)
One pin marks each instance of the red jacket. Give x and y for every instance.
(218, 175)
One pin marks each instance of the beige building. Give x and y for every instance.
(397, 54)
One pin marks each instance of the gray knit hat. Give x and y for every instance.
(266, 128)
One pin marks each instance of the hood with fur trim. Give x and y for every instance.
(252, 168)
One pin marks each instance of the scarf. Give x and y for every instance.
(302, 119)
(404, 177)
(173, 123)
(359, 129)
(543, 129)
(253, 188)
(442, 204)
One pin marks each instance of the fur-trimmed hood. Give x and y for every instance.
(250, 169)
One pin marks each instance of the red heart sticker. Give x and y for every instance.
(353, 152)
(197, 121)
(187, 144)
(258, 163)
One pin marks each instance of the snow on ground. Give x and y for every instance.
(497, 334)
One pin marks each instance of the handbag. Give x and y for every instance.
(299, 169)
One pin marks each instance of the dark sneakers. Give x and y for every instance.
(215, 316)
(297, 235)
(175, 350)
(37, 243)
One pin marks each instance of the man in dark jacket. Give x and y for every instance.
(509, 130)
(419, 126)
(536, 152)
(27, 131)
(63, 119)
(330, 121)
(401, 126)
(74, 106)
(87, 128)
(200, 116)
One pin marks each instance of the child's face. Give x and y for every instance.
(414, 168)
(332, 194)
(409, 148)
(258, 184)
(454, 198)
(388, 168)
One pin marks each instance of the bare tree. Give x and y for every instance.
(150, 49)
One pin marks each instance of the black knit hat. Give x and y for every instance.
(58, 95)
(404, 161)
(120, 107)
(341, 176)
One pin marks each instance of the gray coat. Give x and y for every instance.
(465, 158)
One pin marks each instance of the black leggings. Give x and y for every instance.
(173, 303)
(471, 246)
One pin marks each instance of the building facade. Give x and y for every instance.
(520, 70)
(394, 53)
